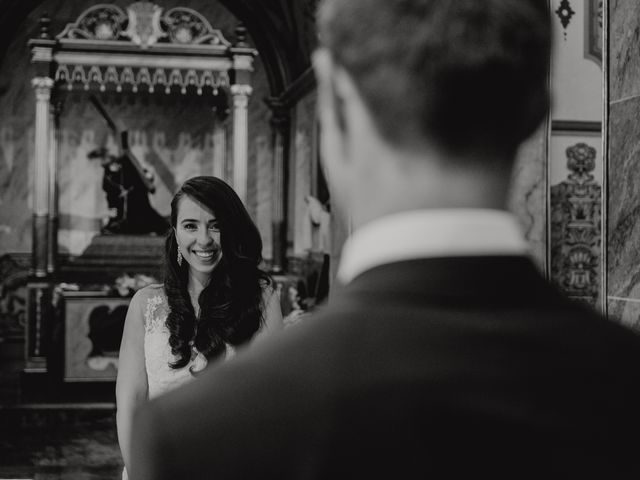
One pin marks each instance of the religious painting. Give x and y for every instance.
(167, 139)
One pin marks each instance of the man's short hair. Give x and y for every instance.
(470, 76)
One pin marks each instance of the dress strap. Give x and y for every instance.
(152, 320)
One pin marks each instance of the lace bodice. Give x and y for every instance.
(157, 353)
(161, 377)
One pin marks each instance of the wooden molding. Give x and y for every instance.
(575, 126)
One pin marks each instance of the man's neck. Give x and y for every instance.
(419, 186)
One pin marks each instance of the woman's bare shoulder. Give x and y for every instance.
(150, 291)
(147, 300)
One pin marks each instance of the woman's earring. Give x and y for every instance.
(179, 258)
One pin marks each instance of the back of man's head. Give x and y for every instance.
(468, 76)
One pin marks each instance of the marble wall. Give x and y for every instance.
(623, 203)
(174, 137)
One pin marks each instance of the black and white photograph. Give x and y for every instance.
(319, 239)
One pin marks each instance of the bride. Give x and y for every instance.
(214, 299)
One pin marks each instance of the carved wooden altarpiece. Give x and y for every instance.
(142, 48)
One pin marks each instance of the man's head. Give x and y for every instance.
(465, 78)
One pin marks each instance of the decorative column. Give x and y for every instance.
(280, 125)
(38, 296)
(39, 287)
(42, 86)
(42, 58)
(241, 90)
(241, 94)
(52, 240)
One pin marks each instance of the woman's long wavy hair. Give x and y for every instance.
(231, 303)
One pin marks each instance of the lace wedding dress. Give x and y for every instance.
(161, 377)
(157, 353)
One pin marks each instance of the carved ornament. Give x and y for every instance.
(136, 79)
(576, 232)
(143, 24)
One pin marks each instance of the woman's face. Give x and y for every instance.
(198, 236)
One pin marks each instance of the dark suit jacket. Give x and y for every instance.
(423, 369)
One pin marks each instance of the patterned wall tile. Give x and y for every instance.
(575, 222)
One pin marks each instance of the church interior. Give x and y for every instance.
(106, 108)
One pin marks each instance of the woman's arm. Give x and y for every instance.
(131, 384)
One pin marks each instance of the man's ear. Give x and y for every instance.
(322, 64)
(330, 94)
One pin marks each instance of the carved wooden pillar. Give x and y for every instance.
(52, 241)
(241, 95)
(37, 335)
(39, 286)
(241, 92)
(41, 180)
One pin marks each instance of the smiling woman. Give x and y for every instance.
(214, 299)
(212, 256)
(198, 239)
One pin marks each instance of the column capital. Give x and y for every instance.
(241, 90)
(42, 84)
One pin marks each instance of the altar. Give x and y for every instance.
(93, 246)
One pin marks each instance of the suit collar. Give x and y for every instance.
(495, 280)
(430, 233)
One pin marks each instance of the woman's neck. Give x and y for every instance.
(196, 284)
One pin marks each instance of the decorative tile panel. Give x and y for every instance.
(576, 235)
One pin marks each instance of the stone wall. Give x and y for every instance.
(623, 202)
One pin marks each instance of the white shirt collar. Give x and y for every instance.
(430, 233)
